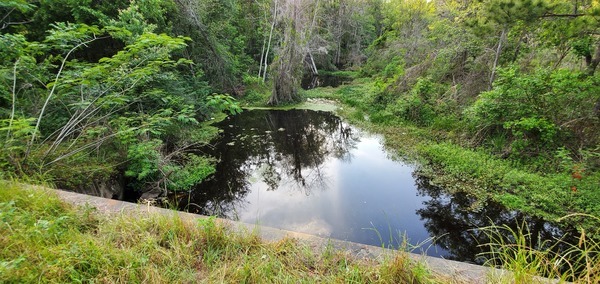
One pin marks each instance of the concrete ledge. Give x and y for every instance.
(459, 271)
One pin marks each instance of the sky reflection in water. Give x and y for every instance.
(310, 172)
(370, 192)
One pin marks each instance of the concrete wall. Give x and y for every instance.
(458, 271)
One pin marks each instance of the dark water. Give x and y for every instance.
(311, 81)
(310, 172)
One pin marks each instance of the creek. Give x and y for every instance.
(311, 172)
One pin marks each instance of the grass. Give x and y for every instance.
(43, 239)
(546, 195)
(527, 257)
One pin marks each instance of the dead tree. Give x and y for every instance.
(295, 21)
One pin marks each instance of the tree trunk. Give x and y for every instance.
(14, 98)
(266, 57)
(297, 22)
(262, 54)
(498, 51)
(518, 49)
(313, 66)
(591, 69)
(287, 70)
(593, 63)
(339, 35)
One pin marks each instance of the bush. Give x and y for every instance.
(422, 104)
(538, 111)
(532, 132)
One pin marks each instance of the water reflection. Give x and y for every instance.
(456, 218)
(276, 148)
(310, 172)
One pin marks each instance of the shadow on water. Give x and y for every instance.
(311, 172)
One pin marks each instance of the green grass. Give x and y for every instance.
(521, 252)
(43, 239)
(550, 195)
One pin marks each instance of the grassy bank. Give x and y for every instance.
(42, 239)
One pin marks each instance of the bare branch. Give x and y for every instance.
(87, 146)
(7, 24)
(62, 66)
(14, 95)
(7, 14)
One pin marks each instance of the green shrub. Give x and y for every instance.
(538, 111)
(532, 130)
(413, 108)
(420, 105)
(194, 170)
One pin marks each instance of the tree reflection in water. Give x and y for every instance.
(279, 148)
(455, 219)
(307, 152)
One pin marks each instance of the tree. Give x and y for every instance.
(346, 28)
(264, 54)
(62, 116)
(296, 18)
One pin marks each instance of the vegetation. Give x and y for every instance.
(499, 99)
(496, 98)
(523, 255)
(72, 109)
(85, 84)
(481, 174)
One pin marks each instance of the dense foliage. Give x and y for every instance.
(107, 96)
(93, 91)
(98, 91)
(517, 76)
(508, 90)
(499, 99)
